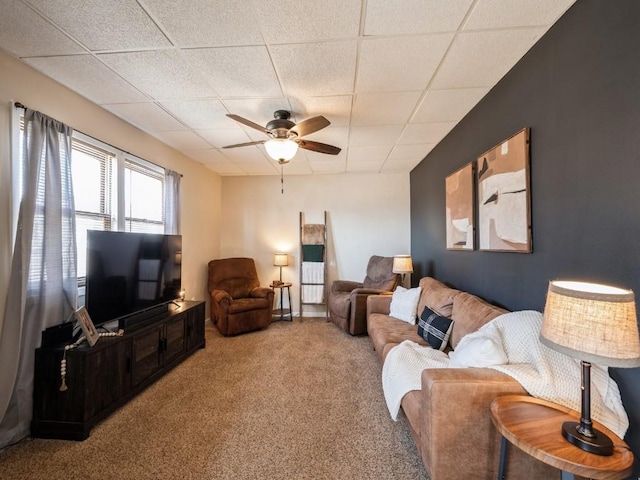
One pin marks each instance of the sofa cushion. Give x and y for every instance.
(437, 296)
(469, 313)
(384, 329)
(434, 328)
(404, 304)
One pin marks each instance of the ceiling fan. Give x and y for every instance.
(285, 136)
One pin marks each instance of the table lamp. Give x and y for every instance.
(280, 260)
(402, 264)
(596, 324)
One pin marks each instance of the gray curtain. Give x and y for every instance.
(43, 285)
(172, 202)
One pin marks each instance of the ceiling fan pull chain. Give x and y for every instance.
(281, 180)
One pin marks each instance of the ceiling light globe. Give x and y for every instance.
(281, 148)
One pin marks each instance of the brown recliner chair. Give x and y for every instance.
(348, 300)
(238, 303)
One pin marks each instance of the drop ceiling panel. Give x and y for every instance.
(328, 166)
(147, 116)
(479, 59)
(162, 74)
(336, 109)
(392, 17)
(338, 136)
(384, 108)
(407, 154)
(183, 140)
(200, 114)
(417, 133)
(198, 23)
(522, 13)
(367, 154)
(316, 69)
(101, 25)
(227, 70)
(89, 77)
(294, 21)
(401, 63)
(448, 105)
(227, 136)
(41, 38)
(209, 156)
(365, 167)
(375, 135)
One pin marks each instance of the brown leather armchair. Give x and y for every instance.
(238, 303)
(348, 300)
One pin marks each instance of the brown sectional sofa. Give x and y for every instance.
(450, 418)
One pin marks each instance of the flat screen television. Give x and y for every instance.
(129, 273)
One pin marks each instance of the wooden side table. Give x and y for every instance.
(282, 312)
(534, 426)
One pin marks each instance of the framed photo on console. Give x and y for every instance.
(503, 191)
(88, 328)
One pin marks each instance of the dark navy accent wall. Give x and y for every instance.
(578, 89)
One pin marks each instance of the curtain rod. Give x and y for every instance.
(20, 105)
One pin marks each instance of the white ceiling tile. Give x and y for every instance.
(336, 109)
(162, 74)
(400, 63)
(375, 135)
(208, 156)
(314, 157)
(367, 154)
(417, 133)
(226, 169)
(236, 71)
(448, 105)
(244, 154)
(199, 23)
(337, 136)
(200, 114)
(222, 137)
(364, 167)
(316, 69)
(101, 25)
(399, 166)
(479, 59)
(89, 77)
(41, 38)
(183, 140)
(328, 166)
(288, 21)
(515, 13)
(148, 116)
(391, 17)
(408, 153)
(384, 108)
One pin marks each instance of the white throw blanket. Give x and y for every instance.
(313, 272)
(542, 372)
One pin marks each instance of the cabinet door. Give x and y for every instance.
(195, 327)
(147, 354)
(174, 342)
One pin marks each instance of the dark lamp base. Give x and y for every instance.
(600, 444)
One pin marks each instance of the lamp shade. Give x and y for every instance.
(281, 148)
(280, 259)
(592, 322)
(402, 264)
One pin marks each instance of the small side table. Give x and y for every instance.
(534, 426)
(282, 312)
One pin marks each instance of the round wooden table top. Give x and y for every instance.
(282, 285)
(535, 427)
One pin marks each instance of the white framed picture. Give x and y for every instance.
(88, 328)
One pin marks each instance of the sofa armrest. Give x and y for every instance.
(220, 296)
(261, 292)
(358, 320)
(458, 438)
(379, 304)
(344, 285)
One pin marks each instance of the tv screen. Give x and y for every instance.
(130, 272)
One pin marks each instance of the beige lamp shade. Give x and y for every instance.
(280, 259)
(592, 322)
(402, 264)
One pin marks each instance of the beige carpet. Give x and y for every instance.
(299, 400)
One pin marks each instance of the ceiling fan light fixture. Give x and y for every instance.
(281, 148)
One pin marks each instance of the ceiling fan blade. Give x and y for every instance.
(310, 125)
(246, 122)
(319, 147)
(246, 144)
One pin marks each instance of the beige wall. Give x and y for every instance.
(201, 188)
(367, 214)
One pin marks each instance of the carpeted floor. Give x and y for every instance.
(299, 400)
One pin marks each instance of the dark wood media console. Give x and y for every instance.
(104, 377)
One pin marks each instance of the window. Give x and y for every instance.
(113, 190)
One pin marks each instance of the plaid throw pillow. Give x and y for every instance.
(434, 328)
